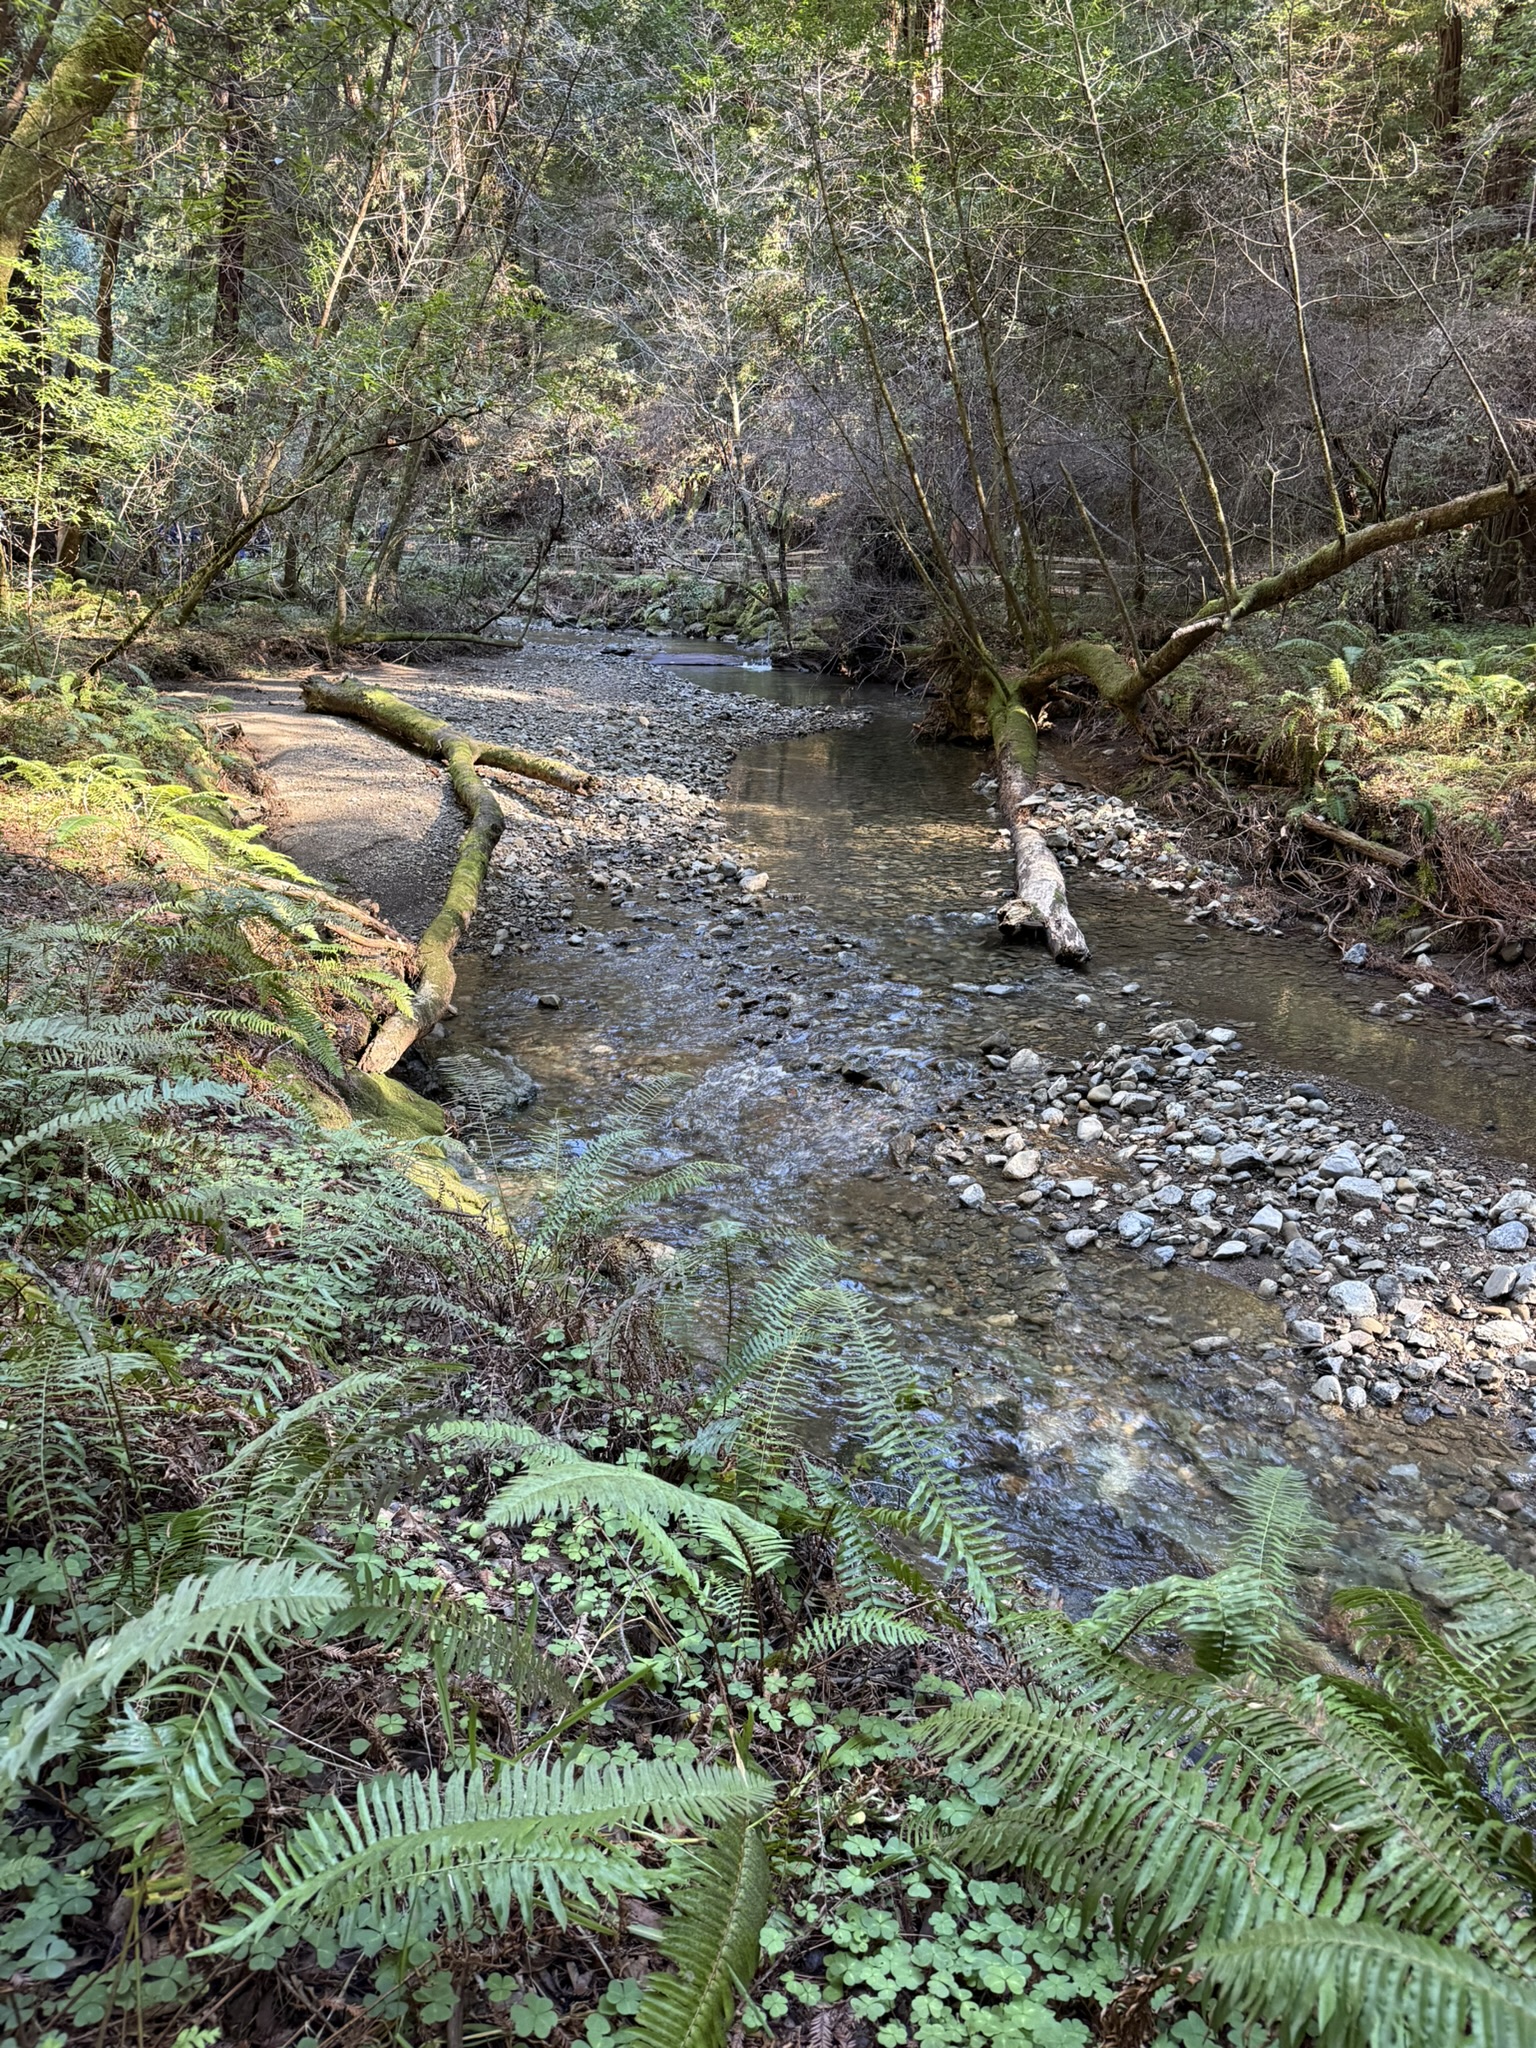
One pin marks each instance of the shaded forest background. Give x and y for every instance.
(369, 315)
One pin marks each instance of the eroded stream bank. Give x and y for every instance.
(846, 1034)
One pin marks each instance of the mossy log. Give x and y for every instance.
(1039, 902)
(459, 753)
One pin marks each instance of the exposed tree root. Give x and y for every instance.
(1039, 901)
(459, 753)
(1352, 842)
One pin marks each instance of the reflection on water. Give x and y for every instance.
(1069, 1390)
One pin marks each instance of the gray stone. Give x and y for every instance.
(1508, 1237)
(1168, 1197)
(1355, 1297)
(1243, 1157)
(1326, 1388)
(1231, 1248)
(1355, 1187)
(1028, 1064)
(1269, 1220)
(1202, 1201)
(488, 1080)
(1500, 1281)
(1134, 1227)
(1219, 1035)
(1339, 1162)
(1356, 955)
(1079, 1240)
(1355, 1398)
(1518, 1202)
(1081, 1189)
(1088, 1129)
(1506, 1336)
(1386, 1393)
(1302, 1256)
(1305, 1331)
(973, 1196)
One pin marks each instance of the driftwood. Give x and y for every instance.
(1368, 849)
(459, 753)
(1039, 902)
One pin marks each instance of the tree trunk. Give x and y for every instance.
(112, 244)
(58, 117)
(1448, 66)
(400, 721)
(1039, 902)
(234, 217)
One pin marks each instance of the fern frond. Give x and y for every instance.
(438, 1852)
(560, 1482)
(466, 1641)
(863, 1627)
(128, 1106)
(724, 1893)
(240, 1603)
(1330, 1986)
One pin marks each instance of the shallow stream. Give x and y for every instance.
(1067, 1386)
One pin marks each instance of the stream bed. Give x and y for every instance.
(1066, 1386)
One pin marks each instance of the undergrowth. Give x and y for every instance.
(422, 1626)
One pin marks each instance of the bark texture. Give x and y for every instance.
(1039, 902)
(460, 754)
(109, 50)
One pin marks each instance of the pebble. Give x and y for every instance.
(1302, 1256)
(1079, 1240)
(1354, 1187)
(1355, 1297)
(1336, 1164)
(973, 1196)
(1091, 1128)
(1081, 1189)
(1308, 1332)
(1328, 1389)
(1269, 1220)
(1508, 1237)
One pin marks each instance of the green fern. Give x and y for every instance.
(724, 1893)
(425, 1855)
(1331, 1986)
(245, 1603)
(560, 1482)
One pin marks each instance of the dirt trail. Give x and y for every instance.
(353, 810)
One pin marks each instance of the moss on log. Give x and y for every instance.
(459, 753)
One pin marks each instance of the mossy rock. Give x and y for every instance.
(381, 1100)
(317, 1101)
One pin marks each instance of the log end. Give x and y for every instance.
(1058, 928)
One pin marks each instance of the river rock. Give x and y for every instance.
(1243, 1158)
(1307, 1332)
(1168, 1197)
(1386, 1393)
(1358, 1187)
(1327, 1389)
(1355, 1398)
(1518, 1202)
(488, 1080)
(1356, 955)
(1269, 1220)
(1355, 1297)
(973, 1196)
(1508, 1237)
(1342, 1160)
(1027, 1064)
(1505, 1335)
(1081, 1189)
(1079, 1240)
(1090, 1128)
(1231, 1248)
(1302, 1256)
(1135, 1227)
(1022, 1165)
(1500, 1281)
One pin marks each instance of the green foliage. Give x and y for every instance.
(1222, 1814)
(723, 1894)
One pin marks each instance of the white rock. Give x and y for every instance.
(1022, 1165)
(1081, 1189)
(1268, 1219)
(973, 1196)
(1079, 1240)
(1327, 1389)
(1089, 1128)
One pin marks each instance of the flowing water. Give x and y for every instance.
(1067, 1389)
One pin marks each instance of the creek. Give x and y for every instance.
(1066, 1387)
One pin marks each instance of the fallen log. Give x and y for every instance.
(1368, 849)
(1039, 902)
(459, 753)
